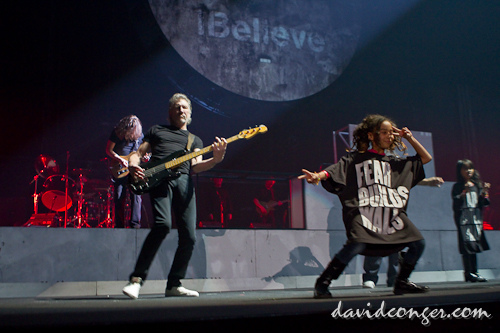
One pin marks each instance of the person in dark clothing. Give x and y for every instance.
(219, 204)
(469, 196)
(172, 195)
(374, 191)
(270, 211)
(125, 138)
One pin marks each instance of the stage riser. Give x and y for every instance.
(49, 255)
(63, 255)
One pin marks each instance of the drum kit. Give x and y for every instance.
(73, 198)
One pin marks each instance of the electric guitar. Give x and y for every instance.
(268, 206)
(117, 169)
(157, 171)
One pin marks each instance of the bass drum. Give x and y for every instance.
(54, 197)
(94, 213)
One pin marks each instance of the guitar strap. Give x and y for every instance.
(190, 142)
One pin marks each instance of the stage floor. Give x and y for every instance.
(288, 310)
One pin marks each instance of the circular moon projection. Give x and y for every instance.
(263, 49)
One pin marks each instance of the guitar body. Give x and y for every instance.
(151, 181)
(117, 169)
(269, 206)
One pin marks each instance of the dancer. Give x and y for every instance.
(172, 195)
(374, 190)
(470, 195)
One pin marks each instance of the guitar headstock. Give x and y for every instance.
(251, 132)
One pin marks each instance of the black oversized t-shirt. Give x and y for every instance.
(166, 140)
(374, 191)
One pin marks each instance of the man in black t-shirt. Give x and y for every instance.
(172, 195)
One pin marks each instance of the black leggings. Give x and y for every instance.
(351, 249)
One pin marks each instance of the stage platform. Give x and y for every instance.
(293, 310)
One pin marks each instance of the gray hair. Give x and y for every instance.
(175, 98)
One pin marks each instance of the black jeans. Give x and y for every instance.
(175, 196)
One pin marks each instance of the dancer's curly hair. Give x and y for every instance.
(371, 124)
(129, 128)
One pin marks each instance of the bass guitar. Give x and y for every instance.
(157, 171)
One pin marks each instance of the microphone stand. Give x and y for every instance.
(35, 195)
(66, 191)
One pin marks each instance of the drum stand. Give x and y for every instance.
(35, 195)
(66, 191)
(108, 221)
(44, 166)
(36, 219)
(80, 221)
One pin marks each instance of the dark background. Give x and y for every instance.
(72, 69)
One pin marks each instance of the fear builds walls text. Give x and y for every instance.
(379, 203)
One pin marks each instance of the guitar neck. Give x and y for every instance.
(178, 161)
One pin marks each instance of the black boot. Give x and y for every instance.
(404, 286)
(474, 277)
(332, 272)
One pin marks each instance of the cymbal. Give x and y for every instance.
(46, 166)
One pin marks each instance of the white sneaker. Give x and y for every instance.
(181, 291)
(369, 284)
(132, 288)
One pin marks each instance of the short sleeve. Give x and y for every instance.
(337, 180)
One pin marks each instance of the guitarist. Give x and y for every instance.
(171, 195)
(267, 207)
(125, 138)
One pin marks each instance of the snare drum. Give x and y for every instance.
(54, 197)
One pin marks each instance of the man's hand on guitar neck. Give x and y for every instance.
(219, 149)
